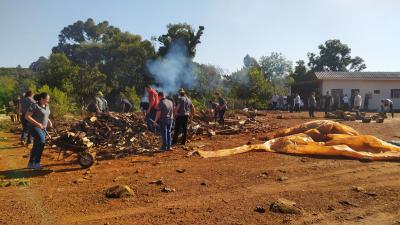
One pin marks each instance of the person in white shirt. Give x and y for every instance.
(297, 101)
(275, 101)
(357, 102)
(346, 102)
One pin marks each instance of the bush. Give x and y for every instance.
(198, 105)
(131, 95)
(60, 103)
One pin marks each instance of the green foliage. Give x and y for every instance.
(335, 56)
(275, 66)
(7, 87)
(198, 105)
(60, 103)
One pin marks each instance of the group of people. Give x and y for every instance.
(34, 112)
(283, 102)
(165, 114)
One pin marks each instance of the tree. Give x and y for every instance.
(39, 65)
(275, 66)
(249, 62)
(300, 72)
(180, 32)
(7, 88)
(335, 56)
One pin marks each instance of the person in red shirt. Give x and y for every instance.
(152, 109)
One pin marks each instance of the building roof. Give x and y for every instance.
(358, 75)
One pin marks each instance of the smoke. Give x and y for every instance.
(174, 70)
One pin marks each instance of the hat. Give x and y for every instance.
(181, 90)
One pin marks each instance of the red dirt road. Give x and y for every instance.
(211, 191)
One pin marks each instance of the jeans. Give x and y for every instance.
(297, 107)
(150, 118)
(181, 123)
(165, 128)
(221, 114)
(39, 140)
(25, 135)
(311, 110)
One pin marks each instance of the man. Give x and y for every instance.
(164, 115)
(387, 106)
(311, 105)
(222, 107)
(214, 109)
(328, 101)
(275, 101)
(96, 105)
(357, 103)
(153, 99)
(183, 111)
(25, 103)
(290, 102)
(297, 101)
(104, 102)
(126, 105)
(366, 102)
(346, 102)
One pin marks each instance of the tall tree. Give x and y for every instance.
(275, 66)
(180, 32)
(335, 56)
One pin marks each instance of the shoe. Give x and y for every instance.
(37, 166)
(31, 165)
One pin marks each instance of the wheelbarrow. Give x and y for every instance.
(85, 157)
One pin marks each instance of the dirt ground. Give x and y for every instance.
(211, 191)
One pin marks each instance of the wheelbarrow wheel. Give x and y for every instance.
(85, 159)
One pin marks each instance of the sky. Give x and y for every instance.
(233, 28)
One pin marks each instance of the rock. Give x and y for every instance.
(158, 182)
(79, 181)
(167, 190)
(358, 189)
(204, 183)
(119, 191)
(283, 178)
(181, 170)
(118, 178)
(284, 206)
(260, 209)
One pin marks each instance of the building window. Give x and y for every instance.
(377, 92)
(395, 93)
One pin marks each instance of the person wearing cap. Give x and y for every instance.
(184, 111)
(163, 119)
(151, 111)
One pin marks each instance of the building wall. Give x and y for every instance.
(367, 86)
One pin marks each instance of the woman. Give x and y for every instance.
(311, 105)
(38, 118)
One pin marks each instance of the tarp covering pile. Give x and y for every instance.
(321, 137)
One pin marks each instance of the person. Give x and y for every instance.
(214, 109)
(184, 111)
(17, 107)
(164, 115)
(387, 106)
(222, 107)
(104, 103)
(96, 105)
(366, 102)
(38, 117)
(151, 111)
(297, 101)
(311, 105)
(328, 101)
(275, 98)
(357, 103)
(25, 103)
(126, 105)
(280, 102)
(290, 102)
(346, 102)
(352, 100)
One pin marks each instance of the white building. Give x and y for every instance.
(376, 85)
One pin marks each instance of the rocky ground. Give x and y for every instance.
(174, 188)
